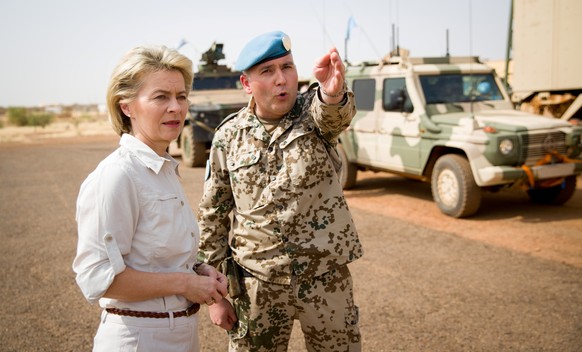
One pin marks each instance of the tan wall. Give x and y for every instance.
(546, 53)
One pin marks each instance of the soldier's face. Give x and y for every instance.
(273, 84)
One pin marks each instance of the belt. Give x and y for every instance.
(193, 309)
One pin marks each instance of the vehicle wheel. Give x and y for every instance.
(193, 153)
(556, 195)
(454, 188)
(349, 172)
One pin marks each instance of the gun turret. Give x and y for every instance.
(209, 59)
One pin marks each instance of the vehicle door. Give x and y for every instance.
(398, 141)
(363, 129)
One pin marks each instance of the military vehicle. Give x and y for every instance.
(216, 92)
(450, 122)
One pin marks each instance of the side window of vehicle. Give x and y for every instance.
(365, 93)
(395, 96)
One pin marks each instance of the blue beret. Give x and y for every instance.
(263, 48)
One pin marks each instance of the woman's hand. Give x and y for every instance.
(210, 271)
(204, 289)
(207, 287)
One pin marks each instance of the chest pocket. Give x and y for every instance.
(170, 236)
(248, 179)
(306, 158)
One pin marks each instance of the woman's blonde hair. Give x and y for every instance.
(127, 78)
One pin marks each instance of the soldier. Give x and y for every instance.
(273, 165)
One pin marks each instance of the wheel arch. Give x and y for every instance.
(436, 152)
(470, 151)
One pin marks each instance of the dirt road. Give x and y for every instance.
(508, 279)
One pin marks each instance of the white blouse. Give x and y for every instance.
(132, 211)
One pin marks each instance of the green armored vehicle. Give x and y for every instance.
(216, 92)
(449, 121)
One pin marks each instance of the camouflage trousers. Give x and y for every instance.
(323, 305)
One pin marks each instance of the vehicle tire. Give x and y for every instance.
(556, 195)
(193, 153)
(454, 188)
(349, 172)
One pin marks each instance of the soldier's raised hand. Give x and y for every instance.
(330, 72)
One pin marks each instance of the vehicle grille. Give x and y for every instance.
(537, 145)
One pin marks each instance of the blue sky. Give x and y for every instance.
(63, 51)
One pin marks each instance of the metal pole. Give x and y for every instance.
(509, 45)
(346, 49)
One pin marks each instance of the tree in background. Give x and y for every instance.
(19, 116)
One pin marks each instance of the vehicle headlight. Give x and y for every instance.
(506, 146)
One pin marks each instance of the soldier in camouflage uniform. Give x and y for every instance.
(274, 166)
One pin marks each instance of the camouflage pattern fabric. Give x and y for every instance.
(324, 306)
(290, 217)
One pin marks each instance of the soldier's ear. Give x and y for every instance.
(244, 80)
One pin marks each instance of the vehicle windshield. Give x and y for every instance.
(459, 88)
(216, 83)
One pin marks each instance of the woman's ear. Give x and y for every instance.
(125, 108)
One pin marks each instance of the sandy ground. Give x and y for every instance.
(508, 279)
(59, 129)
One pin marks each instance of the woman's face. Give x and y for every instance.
(158, 111)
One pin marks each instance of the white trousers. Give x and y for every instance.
(118, 333)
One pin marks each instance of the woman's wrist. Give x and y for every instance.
(183, 283)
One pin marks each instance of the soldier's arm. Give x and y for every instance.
(331, 120)
(215, 207)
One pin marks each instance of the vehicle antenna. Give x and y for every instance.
(393, 45)
(448, 53)
(472, 90)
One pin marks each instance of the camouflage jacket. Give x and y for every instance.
(289, 212)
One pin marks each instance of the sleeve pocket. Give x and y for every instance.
(113, 253)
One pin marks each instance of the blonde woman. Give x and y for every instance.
(138, 236)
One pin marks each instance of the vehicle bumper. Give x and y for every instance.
(497, 175)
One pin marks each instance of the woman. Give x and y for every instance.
(138, 236)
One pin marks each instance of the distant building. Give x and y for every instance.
(54, 109)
